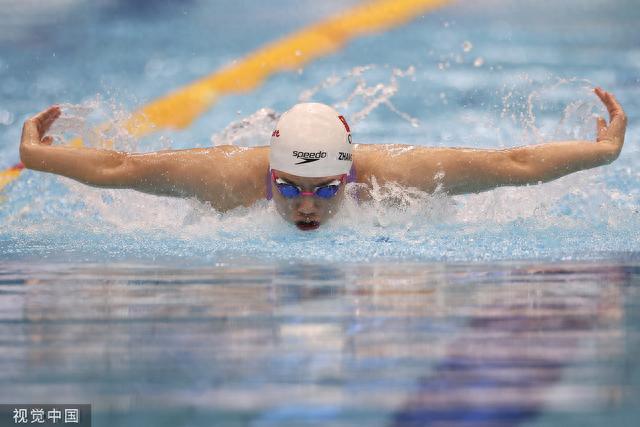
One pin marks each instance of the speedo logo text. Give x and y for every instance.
(309, 157)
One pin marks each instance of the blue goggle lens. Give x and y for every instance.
(290, 191)
(327, 192)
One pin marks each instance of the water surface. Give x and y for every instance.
(403, 344)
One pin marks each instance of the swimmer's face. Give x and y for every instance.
(307, 212)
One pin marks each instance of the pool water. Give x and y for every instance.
(511, 307)
(465, 75)
(403, 344)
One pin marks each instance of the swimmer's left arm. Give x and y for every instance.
(462, 171)
(224, 176)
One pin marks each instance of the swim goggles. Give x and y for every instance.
(290, 191)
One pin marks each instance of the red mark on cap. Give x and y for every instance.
(276, 133)
(344, 122)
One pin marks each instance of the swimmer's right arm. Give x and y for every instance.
(210, 175)
(462, 170)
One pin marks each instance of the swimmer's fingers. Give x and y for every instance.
(30, 133)
(613, 106)
(35, 127)
(618, 123)
(45, 119)
(601, 127)
(617, 118)
(605, 100)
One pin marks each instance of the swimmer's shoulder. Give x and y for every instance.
(236, 150)
(244, 163)
(372, 160)
(393, 162)
(241, 171)
(241, 160)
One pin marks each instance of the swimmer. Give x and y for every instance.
(310, 160)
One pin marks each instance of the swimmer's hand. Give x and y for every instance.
(35, 128)
(611, 134)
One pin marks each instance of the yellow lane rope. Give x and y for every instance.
(9, 174)
(180, 108)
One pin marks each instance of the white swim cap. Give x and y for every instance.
(311, 140)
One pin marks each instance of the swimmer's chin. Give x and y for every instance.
(307, 225)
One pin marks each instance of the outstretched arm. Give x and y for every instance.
(211, 174)
(461, 171)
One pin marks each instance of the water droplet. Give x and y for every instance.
(479, 62)
(467, 46)
(6, 117)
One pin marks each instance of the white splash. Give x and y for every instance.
(251, 131)
(360, 96)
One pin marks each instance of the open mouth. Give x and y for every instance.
(307, 225)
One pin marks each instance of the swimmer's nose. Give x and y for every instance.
(307, 205)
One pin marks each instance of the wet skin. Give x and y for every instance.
(307, 212)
